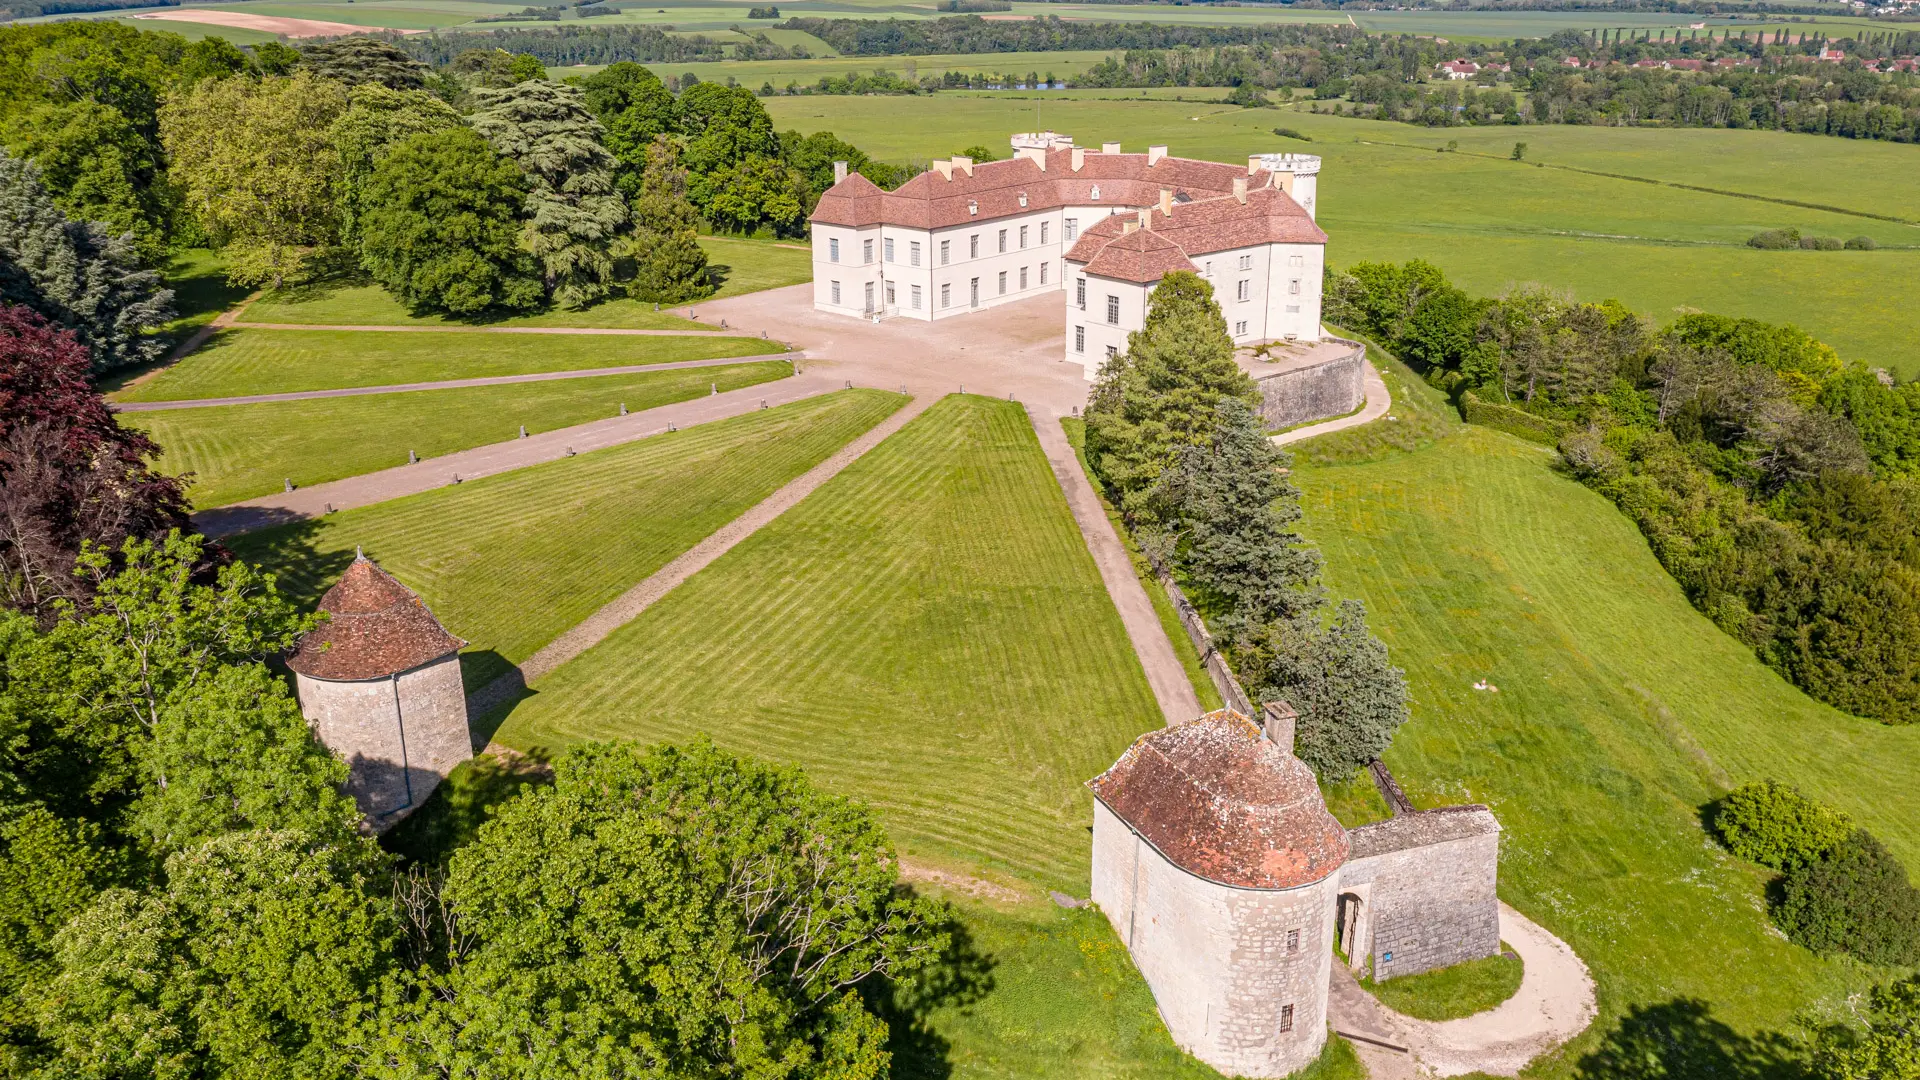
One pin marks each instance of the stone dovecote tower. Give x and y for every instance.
(1218, 864)
(380, 682)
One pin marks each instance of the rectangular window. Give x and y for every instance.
(1023, 237)
(915, 290)
(866, 251)
(1003, 241)
(1286, 1018)
(890, 300)
(913, 253)
(1112, 352)
(1293, 941)
(1073, 227)
(836, 294)
(1043, 232)
(1023, 277)
(976, 292)
(1246, 262)
(1240, 328)
(1296, 260)
(1293, 309)
(1113, 311)
(833, 250)
(869, 296)
(1294, 286)
(946, 249)
(1003, 283)
(1207, 270)
(1080, 293)
(973, 246)
(889, 246)
(1043, 273)
(1246, 288)
(1080, 339)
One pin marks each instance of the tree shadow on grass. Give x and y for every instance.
(962, 976)
(453, 814)
(1680, 1040)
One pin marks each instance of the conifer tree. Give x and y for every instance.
(76, 274)
(573, 214)
(669, 266)
(359, 59)
(1350, 697)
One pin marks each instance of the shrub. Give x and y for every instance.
(1773, 824)
(1856, 901)
(1289, 133)
(1862, 243)
(1775, 239)
(1819, 243)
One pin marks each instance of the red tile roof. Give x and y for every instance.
(994, 189)
(1223, 803)
(375, 627)
(1142, 255)
(1196, 229)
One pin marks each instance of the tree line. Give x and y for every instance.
(1779, 484)
(1174, 435)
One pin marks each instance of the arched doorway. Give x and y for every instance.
(1353, 917)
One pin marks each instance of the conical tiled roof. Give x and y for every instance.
(375, 627)
(1224, 803)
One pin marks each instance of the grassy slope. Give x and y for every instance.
(926, 632)
(238, 362)
(239, 451)
(1621, 711)
(1491, 223)
(510, 561)
(369, 305)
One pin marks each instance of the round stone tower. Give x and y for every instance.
(1218, 864)
(1296, 174)
(380, 682)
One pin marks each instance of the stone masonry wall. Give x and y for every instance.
(400, 736)
(1431, 906)
(1333, 388)
(1223, 963)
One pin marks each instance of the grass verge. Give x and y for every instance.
(926, 632)
(238, 451)
(242, 362)
(347, 304)
(510, 561)
(1454, 992)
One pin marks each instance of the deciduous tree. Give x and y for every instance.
(377, 120)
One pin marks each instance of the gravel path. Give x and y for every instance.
(1555, 1002)
(1165, 674)
(446, 384)
(627, 606)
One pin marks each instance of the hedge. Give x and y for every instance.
(1513, 421)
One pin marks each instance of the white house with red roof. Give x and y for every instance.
(966, 236)
(1459, 69)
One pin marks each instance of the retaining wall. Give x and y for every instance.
(1320, 391)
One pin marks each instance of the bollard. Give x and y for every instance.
(671, 427)
(456, 478)
(329, 508)
(849, 384)
(963, 388)
(289, 484)
(523, 431)
(1009, 395)
(763, 403)
(763, 335)
(412, 458)
(713, 389)
(723, 324)
(569, 451)
(623, 408)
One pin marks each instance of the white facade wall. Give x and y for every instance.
(1091, 337)
(973, 259)
(840, 266)
(1240, 975)
(400, 735)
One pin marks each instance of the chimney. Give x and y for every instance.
(1166, 201)
(1278, 723)
(1079, 158)
(1109, 147)
(964, 164)
(1253, 164)
(945, 169)
(1240, 188)
(1154, 154)
(1127, 227)
(839, 171)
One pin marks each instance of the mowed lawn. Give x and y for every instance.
(746, 266)
(926, 632)
(371, 305)
(238, 451)
(510, 561)
(241, 362)
(1620, 713)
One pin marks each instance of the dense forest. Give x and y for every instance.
(1779, 484)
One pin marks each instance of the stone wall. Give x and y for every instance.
(1225, 964)
(1319, 391)
(1216, 665)
(400, 735)
(1426, 885)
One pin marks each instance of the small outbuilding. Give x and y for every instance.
(380, 682)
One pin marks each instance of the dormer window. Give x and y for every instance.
(1023, 198)
(1095, 193)
(972, 207)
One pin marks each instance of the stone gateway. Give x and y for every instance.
(379, 681)
(1218, 864)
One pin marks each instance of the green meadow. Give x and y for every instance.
(1492, 223)
(236, 452)
(359, 304)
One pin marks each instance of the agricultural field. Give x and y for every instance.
(926, 632)
(242, 362)
(1620, 713)
(753, 73)
(508, 562)
(1492, 223)
(235, 452)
